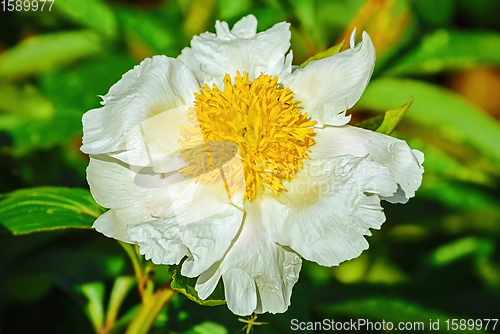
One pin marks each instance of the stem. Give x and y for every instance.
(139, 274)
(149, 310)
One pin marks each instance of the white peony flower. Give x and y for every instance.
(235, 162)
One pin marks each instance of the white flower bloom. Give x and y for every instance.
(229, 160)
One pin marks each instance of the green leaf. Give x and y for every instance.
(461, 248)
(94, 292)
(207, 327)
(437, 108)
(121, 288)
(43, 52)
(445, 50)
(393, 310)
(324, 54)
(387, 122)
(49, 208)
(186, 285)
(93, 14)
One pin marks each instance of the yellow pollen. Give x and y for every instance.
(250, 136)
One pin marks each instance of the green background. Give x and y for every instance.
(436, 257)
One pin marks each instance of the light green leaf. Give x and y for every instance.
(43, 52)
(49, 208)
(186, 285)
(387, 122)
(438, 108)
(121, 288)
(461, 248)
(93, 14)
(445, 50)
(324, 54)
(94, 292)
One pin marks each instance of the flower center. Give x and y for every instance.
(251, 135)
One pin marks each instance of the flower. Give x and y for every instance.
(238, 164)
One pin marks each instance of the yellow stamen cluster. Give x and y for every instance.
(250, 135)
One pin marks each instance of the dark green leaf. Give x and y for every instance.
(43, 52)
(207, 327)
(391, 310)
(50, 208)
(186, 285)
(387, 122)
(324, 54)
(450, 50)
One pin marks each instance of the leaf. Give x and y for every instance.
(186, 285)
(207, 327)
(94, 292)
(43, 52)
(387, 122)
(392, 310)
(94, 14)
(48, 208)
(437, 108)
(445, 50)
(324, 54)
(147, 30)
(461, 248)
(121, 288)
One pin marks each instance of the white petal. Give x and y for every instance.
(156, 85)
(326, 88)
(246, 27)
(160, 241)
(154, 142)
(113, 185)
(240, 291)
(241, 50)
(329, 207)
(404, 164)
(273, 268)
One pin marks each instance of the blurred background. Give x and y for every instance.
(436, 257)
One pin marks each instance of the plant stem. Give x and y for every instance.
(149, 310)
(139, 273)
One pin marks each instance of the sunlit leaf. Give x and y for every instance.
(43, 52)
(387, 122)
(94, 14)
(438, 108)
(49, 208)
(186, 285)
(121, 288)
(450, 50)
(94, 292)
(459, 249)
(324, 54)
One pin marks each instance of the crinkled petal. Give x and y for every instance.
(240, 50)
(273, 268)
(404, 163)
(156, 85)
(326, 88)
(329, 207)
(168, 216)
